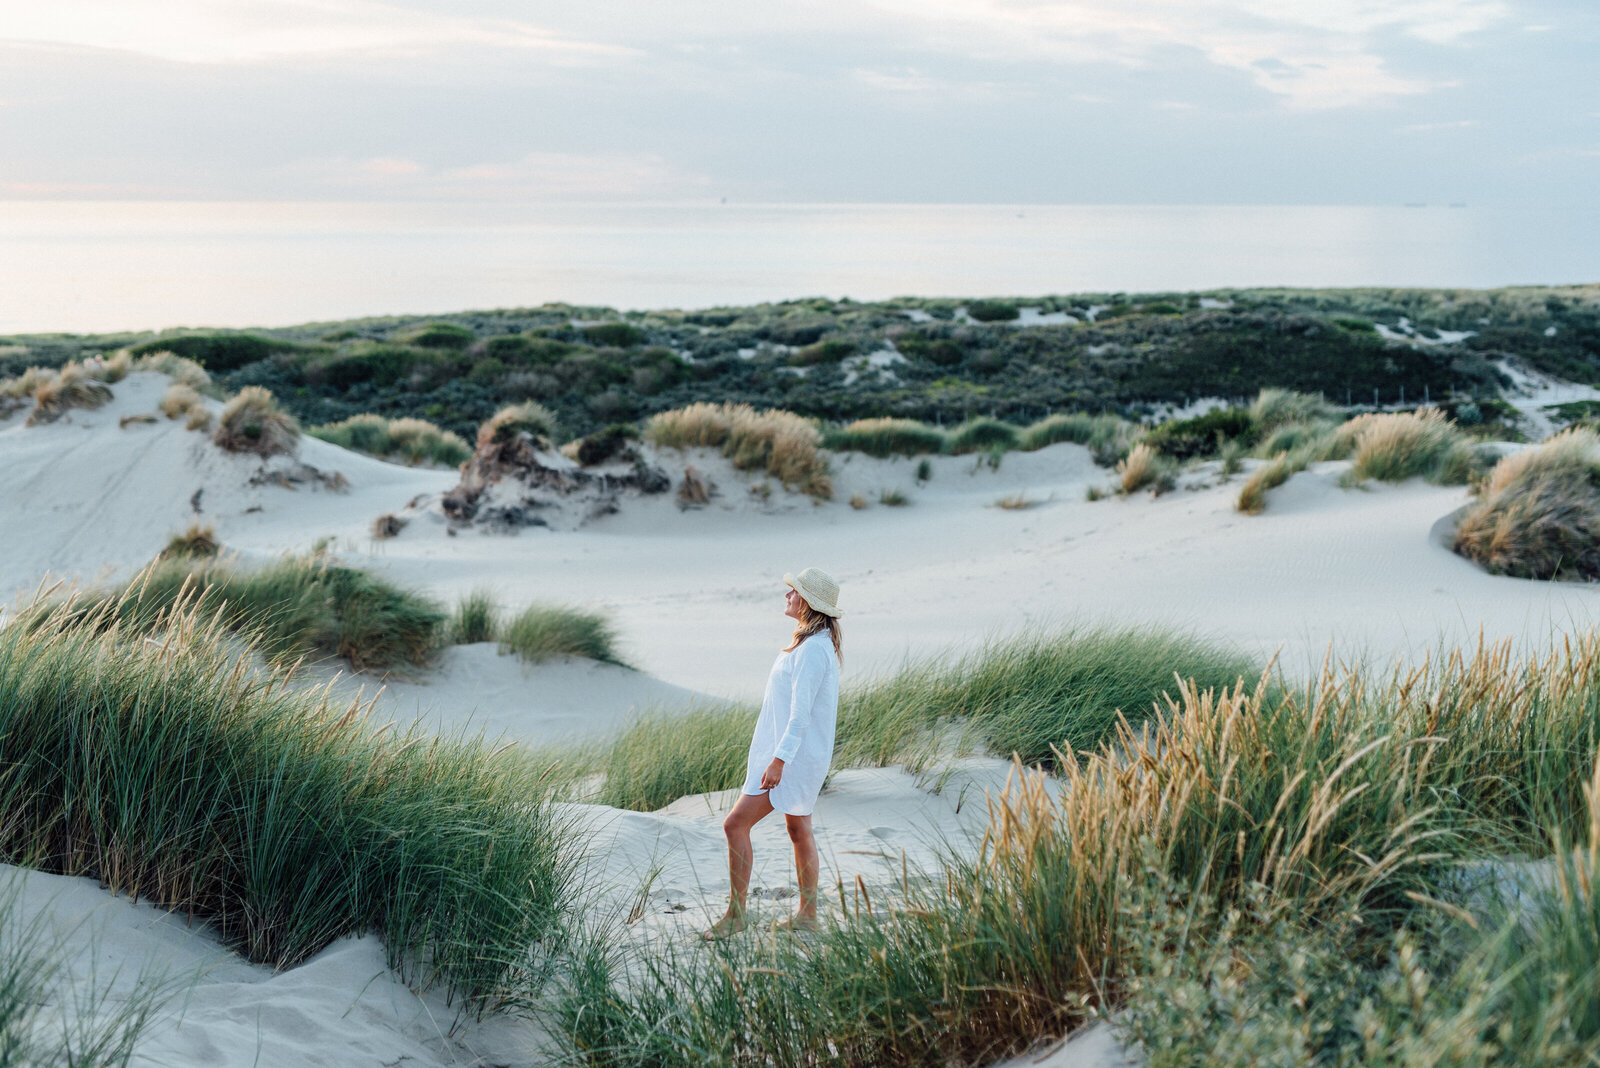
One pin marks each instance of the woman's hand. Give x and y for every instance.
(773, 775)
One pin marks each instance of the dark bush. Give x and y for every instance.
(831, 351)
(1203, 435)
(219, 352)
(982, 433)
(437, 336)
(992, 311)
(602, 445)
(1360, 326)
(618, 335)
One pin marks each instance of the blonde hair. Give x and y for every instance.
(812, 622)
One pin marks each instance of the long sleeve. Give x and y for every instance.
(809, 673)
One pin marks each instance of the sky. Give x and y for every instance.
(1381, 102)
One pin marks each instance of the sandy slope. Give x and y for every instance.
(696, 596)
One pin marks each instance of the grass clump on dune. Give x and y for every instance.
(1108, 437)
(292, 607)
(982, 434)
(199, 541)
(1395, 446)
(782, 444)
(526, 418)
(168, 770)
(476, 619)
(1144, 468)
(253, 422)
(1273, 408)
(542, 631)
(1270, 475)
(71, 387)
(661, 757)
(1328, 814)
(887, 437)
(415, 441)
(1538, 515)
(180, 400)
(182, 370)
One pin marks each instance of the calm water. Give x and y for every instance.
(96, 266)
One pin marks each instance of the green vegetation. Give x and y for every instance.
(887, 437)
(542, 631)
(476, 619)
(779, 443)
(1145, 349)
(415, 441)
(983, 434)
(1204, 435)
(661, 757)
(171, 772)
(1395, 446)
(1538, 515)
(1270, 475)
(292, 608)
(199, 541)
(253, 422)
(1268, 870)
(526, 418)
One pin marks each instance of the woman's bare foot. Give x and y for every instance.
(731, 924)
(798, 924)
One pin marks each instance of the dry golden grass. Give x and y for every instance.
(178, 368)
(253, 422)
(528, 417)
(1539, 512)
(179, 400)
(781, 443)
(1395, 446)
(70, 387)
(1143, 467)
(115, 368)
(1270, 475)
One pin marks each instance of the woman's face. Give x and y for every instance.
(792, 603)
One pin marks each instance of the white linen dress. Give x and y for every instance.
(797, 721)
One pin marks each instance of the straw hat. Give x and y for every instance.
(818, 589)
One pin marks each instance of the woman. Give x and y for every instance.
(791, 749)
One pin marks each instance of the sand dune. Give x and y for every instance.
(697, 598)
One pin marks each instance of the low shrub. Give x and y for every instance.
(603, 445)
(981, 434)
(413, 440)
(992, 311)
(169, 771)
(476, 619)
(1204, 435)
(216, 352)
(437, 336)
(253, 422)
(830, 351)
(1538, 515)
(617, 335)
(886, 437)
(525, 418)
(542, 631)
(780, 443)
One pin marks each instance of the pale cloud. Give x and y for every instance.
(243, 31)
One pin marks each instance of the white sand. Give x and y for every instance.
(697, 598)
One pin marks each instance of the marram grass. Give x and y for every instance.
(1330, 814)
(542, 631)
(158, 762)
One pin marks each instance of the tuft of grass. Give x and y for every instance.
(1275, 407)
(1538, 515)
(181, 400)
(983, 434)
(70, 387)
(169, 770)
(924, 470)
(782, 444)
(893, 498)
(661, 757)
(1395, 446)
(198, 542)
(253, 422)
(387, 526)
(1270, 475)
(115, 368)
(476, 619)
(1016, 502)
(1144, 468)
(180, 369)
(414, 441)
(542, 631)
(887, 437)
(858, 501)
(1204, 435)
(526, 418)
(291, 608)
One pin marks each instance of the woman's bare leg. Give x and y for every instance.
(806, 865)
(750, 810)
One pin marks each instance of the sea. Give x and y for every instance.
(97, 266)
